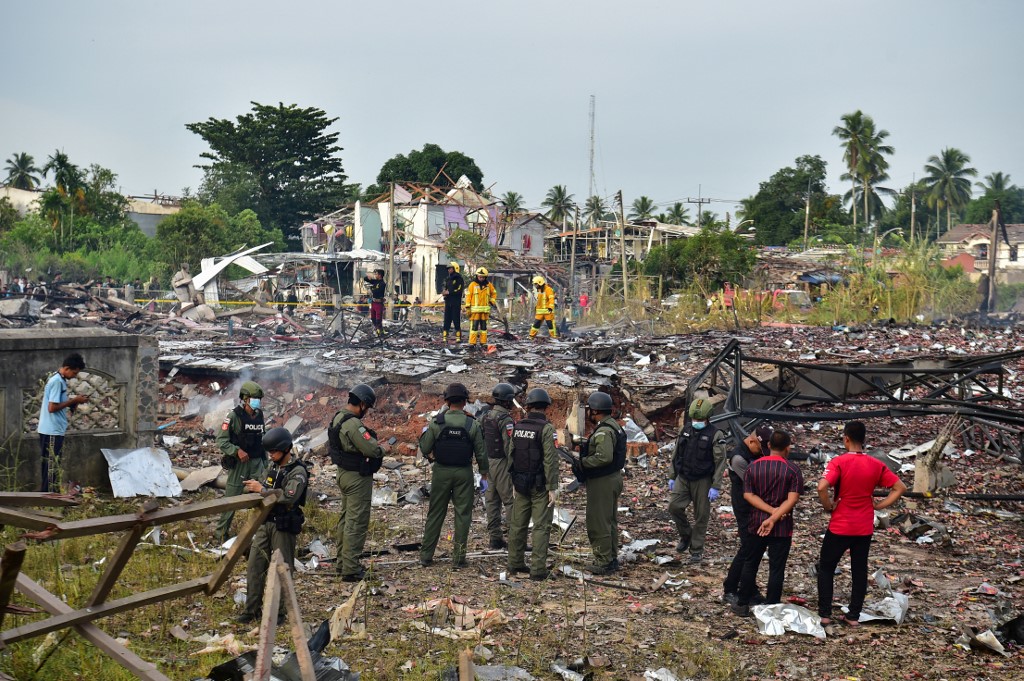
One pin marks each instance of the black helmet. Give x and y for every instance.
(504, 392)
(538, 396)
(250, 389)
(364, 394)
(277, 440)
(456, 391)
(599, 401)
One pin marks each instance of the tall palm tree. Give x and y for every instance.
(22, 172)
(559, 203)
(678, 214)
(513, 202)
(642, 209)
(66, 175)
(996, 182)
(872, 164)
(851, 133)
(947, 181)
(594, 209)
(870, 196)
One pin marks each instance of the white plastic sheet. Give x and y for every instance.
(141, 472)
(778, 618)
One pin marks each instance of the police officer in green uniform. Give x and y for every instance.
(497, 427)
(240, 441)
(698, 466)
(450, 441)
(601, 463)
(534, 473)
(289, 475)
(358, 455)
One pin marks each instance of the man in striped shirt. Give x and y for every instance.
(772, 487)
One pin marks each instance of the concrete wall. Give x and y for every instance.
(121, 372)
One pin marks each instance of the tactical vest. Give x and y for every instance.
(618, 457)
(251, 437)
(453, 446)
(528, 454)
(495, 424)
(743, 451)
(695, 458)
(349, 460)
(287, 518)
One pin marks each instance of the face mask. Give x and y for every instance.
(254, 402)
(699, 425)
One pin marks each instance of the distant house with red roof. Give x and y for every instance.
(969, 246)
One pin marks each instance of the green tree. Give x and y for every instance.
(22, 172)
(559, 203)
(245, 231)
(471, 249)
(678, 214)
(641, 209)
(708, 259)
(852, 133)
(947, 181)
(66, 175)
(424, 166)
(290, 155)
(871, 169)
(8, 214)
(512, 202)
(1011, 203)
(594, 210)
(777, 209)
(996, 182)
(193, 233)
(232, 186)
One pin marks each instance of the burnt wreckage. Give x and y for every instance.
(758, 389)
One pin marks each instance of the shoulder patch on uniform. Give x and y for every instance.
(366, 436)
(508, 428)
(224, 426)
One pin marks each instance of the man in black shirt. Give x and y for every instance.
(378, 289)
(452, 294)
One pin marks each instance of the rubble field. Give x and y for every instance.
(956, 558)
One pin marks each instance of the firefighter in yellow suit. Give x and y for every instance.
(480, 296)
(544, 314)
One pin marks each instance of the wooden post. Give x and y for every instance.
(268, 623)
(466, 671)
(993, 251)
(291, 602)
(10, 566)
(572, 261)
(622, 248)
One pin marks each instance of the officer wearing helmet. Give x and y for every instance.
(497, 426)
(240, 440)
(288, 474)
(358, 455)
(601, 462)
(451, 440)
(544, 313)
(480, 297)
(534, 472)
(452, 294)
(698, 466)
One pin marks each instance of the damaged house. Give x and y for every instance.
(969, 246)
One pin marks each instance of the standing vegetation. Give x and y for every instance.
(947, 178)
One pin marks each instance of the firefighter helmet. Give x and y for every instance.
(454, 266)
(481, 272)
(538, 280)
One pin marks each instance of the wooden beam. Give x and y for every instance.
(89, 614)
(142, 669)
(10, 567)
(36, 499)
(241, 545)
(268, 623)
(291, 601)
(25, 519)
(115, 566)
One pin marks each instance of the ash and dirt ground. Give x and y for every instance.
(686, 628)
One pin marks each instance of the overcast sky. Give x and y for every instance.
(714, 94)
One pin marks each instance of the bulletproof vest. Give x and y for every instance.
(528, 453)
(349, 460)
(695, 458)
(494, 425)
(453, 447)
(743, 451)
(619, 456)
(251, 437)
(288, 518)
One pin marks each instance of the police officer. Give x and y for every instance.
(452, 294)
(534, 473)
(358, 455)
(289, 475)
(240, 440)
(497, 427)
(601, 463)
(697, 466)
(450, 441)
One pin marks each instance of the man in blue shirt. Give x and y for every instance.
(53, 418)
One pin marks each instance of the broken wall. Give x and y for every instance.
(121, 378)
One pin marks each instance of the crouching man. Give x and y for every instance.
(283, 524)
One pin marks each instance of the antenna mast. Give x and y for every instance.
(593, 190)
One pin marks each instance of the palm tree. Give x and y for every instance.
(22, 172)
(66, 175)
(642, 209)
(513, 202)
(677, 215)
(946, 179)
(851, 134)
(870, 196)
(559, 203)
(864, 151)
(995, 182)
(594, 209)
(872, 165)
(708, 220)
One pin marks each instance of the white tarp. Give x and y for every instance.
(141, 472)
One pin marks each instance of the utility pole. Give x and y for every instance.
(700, 202)
(913, 204)
(593, 106)
(391, 257)
(572, 259)
(993, 251)
(622, 247)
(807, 214)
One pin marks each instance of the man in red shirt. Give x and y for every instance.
(854, 477)
(772, 487)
